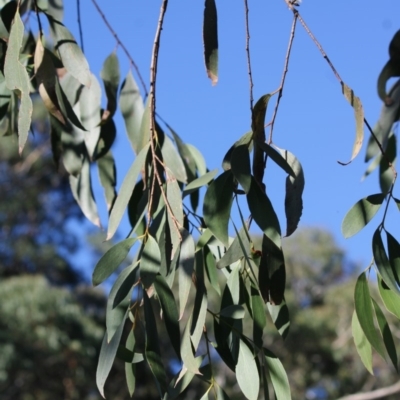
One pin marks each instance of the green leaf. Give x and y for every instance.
(211, 269)
(188, 358)
(382, 261)
(107, 355)
(170, 312)
(389, 298)
(123, 285)
(199, 182)
(70, 53)
(152, 347)
(172, 160)
(363, 306)
(263, 213)
(235, 251)
(108, 178)
(81, 187)
(186, 266)
(130, 368)
(259, 317)
(210, 37)
(294, 191)
(217, 206)
(363, 346)
(240, 164)
(110, 75)
(247, 372)
(150, 262)
(280, 317)
(125, 192)
(17, 79)
(132, 109)
(111, 260)
(233, 284)
(361, 214)
(278, 376)
(281, 159)
(355, 102)
(386, 333)
(394, 256)
(246, 139)
(385, 171)
(235, 311)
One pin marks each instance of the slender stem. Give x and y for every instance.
(78, 8)
(246, 8)
(38, 18)
(130, 58)
(285, 70)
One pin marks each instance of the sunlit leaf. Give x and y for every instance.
(246, 139)
(363, 346)
(235, 251)
(210, 37)
(278, 376)
(234, 311)
(280, 317)
(247, 372)
(281, 159)
(186, 266)
(188, 358)
(389, 298)
(211, 269)
(172, 160)
(130, 368)
(150, 262)
(108, 178)
(355, 102)
(361, 214)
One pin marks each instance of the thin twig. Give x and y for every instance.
(285, 70)
(38, 18)
(246, 9)
(78, 8)
(122, 45)
(375, 394)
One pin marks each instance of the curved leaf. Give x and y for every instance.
(235, 251)
(210, 37)
(278, 376)
(235, 311)
(186, 266)
(172, 160)
(123, 285)
(246, 139)
(247, 372)
(385, 171)
(108, 178)
(240, 165)
(361, 214)
(199, 182)
(150, 262)
(389, 298)
(363, 346)
(110, 75)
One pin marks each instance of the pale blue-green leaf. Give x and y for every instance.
(107, 355)
(130, 368)
(108, 178)
(394, 256)
(235, 311)
(198, 159)
(389, 298)
(235, 251)
(186, 266)
(280, 157)
(211, 269)
(363, 346)
(280, 317)
(363, 306)
(110, 74)
(123, 285)
(81, 187)
(247, 372)
(199, 182)
(111, 260)
(233, 282)
(246, 139)
(70, 53)
(17, 79)
(278, 376)
(125, 192)
(188, 358)
(150, 262)
(132, 109)
(361, 214)
(172, 160)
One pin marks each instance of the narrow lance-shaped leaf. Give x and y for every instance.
(199, 182)
(108, 178)
(389, 298)
(186, 266)
(172, 159)
(217, 206)
(278, 376)
(294, 192)
(110, 75)
(240, 164)
(235, 251)
(246, 139)
(363, 346)
(111, 260)
(385, 171)
(355, 102)
(247, 372)
(17, 78)
(150, 262)
(125, 192)
(363, 306)
(210, 37)
(107, 355)
(188, 358)
(130, 368)
(71, 54)
(361, 214)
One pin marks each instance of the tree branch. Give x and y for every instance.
(246, 9)
(374, 394)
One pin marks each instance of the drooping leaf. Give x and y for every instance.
(235, 251)
(188, 358)
(130, 368)
(107, 355)
(172, 160)
(363, 306)
(211, 269)
(108, 178)
(363, 346)
(385, 171)
(125, 192)
(355, 102)
(247, 372)
(111, 260)
(70, 53)
(294, 191)
(259, 317)
(170, 312)
(389, 298)
(246, 139)
(217, 206)
(280, 317)
(240, 165)
(186, 266)
(234, 311)
(199, 182)
(394, 256)
(382, 261)
(150, 262)
(386, 333)
(210, 37)
(281, 159)
(17, 79)
(278, 376)
(361, 214)
(81, 187)
(152, 347)
(263, 213)
(110, 75)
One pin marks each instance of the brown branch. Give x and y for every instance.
(246, 8)
(374, 394)
(285, 70)
(78, 8)
(130, 58)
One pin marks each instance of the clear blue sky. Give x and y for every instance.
(314, 122)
